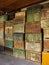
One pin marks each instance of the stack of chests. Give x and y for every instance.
(45, 27)
(18, 29)
(2, 33)
(3, 18)
(9, 36)
(33, 41)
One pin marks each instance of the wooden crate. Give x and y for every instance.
(18, 41)
(1, 35)
(1, 30)
(1, 42)
(9, 27)
(33, 56)
(3, 18)
(33, 27)
(9, 23)
(34, 13)
(30, 14)
(18, 37)
(20, 17)
(46, 45)
(19, 53)
(9, 30)
(34, 37)
(37, 14)
(45, 23)
(1, 24)
(9, 44)
(37, 47)
(9, 37)
(45, 13)
(8, 51)
(43, 16)
(19, 22)
(18, 28)
(46, 33)
(19, 45)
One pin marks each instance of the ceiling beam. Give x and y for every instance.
(20, 4)
(6, 3)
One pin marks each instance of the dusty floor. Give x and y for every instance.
(10, 60)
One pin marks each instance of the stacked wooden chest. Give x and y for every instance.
(9, 35)
(19, 24)
(45, 27)
(33, 40)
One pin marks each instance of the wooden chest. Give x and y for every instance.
(29, 14)
(9, 27)
(9, 23)
(18, 37)
(1, 35)
(33, 27)
(18, 41)
(9, 30)
(19, 28)
(33, 13)
(46, 33)
(20, 17)
(2, 42)
(33, 56)
(8, 51)
(45, 23)
(19, 45)
(19, 53)
(9, 44)
(9, 37)
(3, 17)
(34, 37)
(37, 47)
(37, 14)
(1, 28)
(45, 13)
(46, 45)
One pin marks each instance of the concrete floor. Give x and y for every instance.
(10, 60)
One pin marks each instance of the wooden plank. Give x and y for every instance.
(20, 3)
(6, 3)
